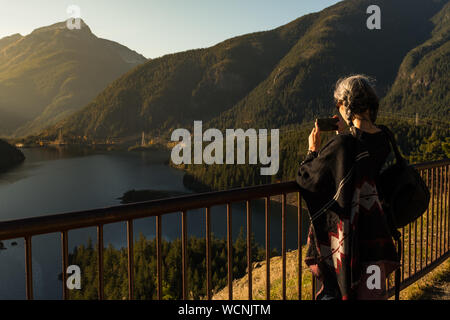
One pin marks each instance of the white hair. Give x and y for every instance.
(357, 95)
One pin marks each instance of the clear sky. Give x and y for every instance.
(157, 27)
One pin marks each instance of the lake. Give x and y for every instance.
(65, 179)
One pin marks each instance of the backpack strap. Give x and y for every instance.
(399, 159)
(393, 143)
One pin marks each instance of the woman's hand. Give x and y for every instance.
(341, 124)
(314, 139)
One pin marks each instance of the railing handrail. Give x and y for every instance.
(431, 164)
(19, 228)
(89, 218)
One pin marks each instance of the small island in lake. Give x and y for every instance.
(147, 195)
(9, 156)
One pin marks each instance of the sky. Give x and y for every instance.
(158, 27)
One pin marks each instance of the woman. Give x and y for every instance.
(350, 247)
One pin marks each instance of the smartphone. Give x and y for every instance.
(328, 124)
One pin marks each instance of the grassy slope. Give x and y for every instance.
(240, 286)
(434, 286)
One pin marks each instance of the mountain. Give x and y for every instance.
(8, 40)
(262, 80)
(52, 72)
(178, 88)
(422, 85)
(338, 44)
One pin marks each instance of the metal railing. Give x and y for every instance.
(425, 242)
(429, 247)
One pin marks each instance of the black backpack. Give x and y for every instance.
(405, 195)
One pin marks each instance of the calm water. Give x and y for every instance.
(67, 179)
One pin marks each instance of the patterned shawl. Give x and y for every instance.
(349, 230)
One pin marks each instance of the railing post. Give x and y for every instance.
(65, 263)
(283, 246)
(208, 254)
(447, 205)
(409, 249)
(421, 233)
(441, 212)
(432, 214)
(403, 253)
(130, 245)
(184, 254)
(158, 257)
(28, 268)
(438, 211)
(249, 250)
(299, 244)
(415, 245)
(229, 252)
(267, 210)
(446, 209)
(100, 260)
(428, 222)
(397, 281)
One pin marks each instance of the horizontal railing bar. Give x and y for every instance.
(89, 218)
(431, 164)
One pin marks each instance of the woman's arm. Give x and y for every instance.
(319, 171)
(314, 139)
(309, 156)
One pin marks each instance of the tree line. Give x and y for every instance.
(145, 285)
